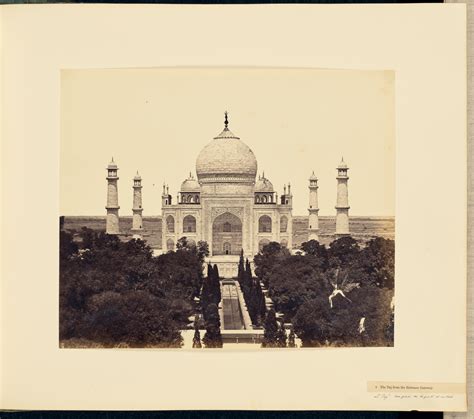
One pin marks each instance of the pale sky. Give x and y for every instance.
(157, 120)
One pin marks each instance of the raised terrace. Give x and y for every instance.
(362, 228)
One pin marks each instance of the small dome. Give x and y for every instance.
(342, 164)
(313, 176)
(190, 185)
(226, 159)
(263, 185)
(137, 177)
(112, 164)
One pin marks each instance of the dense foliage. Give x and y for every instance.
(117, 293)
(270, 334)
(274, 335)
(340, 295)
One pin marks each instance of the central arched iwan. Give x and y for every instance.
(227, 235)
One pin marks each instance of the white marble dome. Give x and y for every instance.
(226, 159)
(263, 185)
(190, 185)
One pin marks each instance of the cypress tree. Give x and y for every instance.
(197, 338)
(204, 294)
(216, 271)
(207, 290)
(212, 338)
(247, 282)
(291, 338)
(241, 270)
(256, 302)
(270, 333)
(262, 307)
(216, 285)
(248, 269)
(252, 304)
(209, 270)
(281, 336)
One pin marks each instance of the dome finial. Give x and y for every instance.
(226, 121)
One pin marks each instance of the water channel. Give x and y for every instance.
(232, 313)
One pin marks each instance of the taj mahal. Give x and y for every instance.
(227, 205)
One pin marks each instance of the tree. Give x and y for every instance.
(212, 338)
(210, 271)
(207, 290)
(246, 282)
(291, 338)
(114, 293)
(137, 318)
(343, 251)
(197, 338)
(255, 301)
(88, 237)
(268, 258)
(312, 247)
(312, 322)
(216, 283)
(216, 271)
(184, 244)
(67, 246)
(294, 282)
(202, 250)
(339, 295)
(262, 308)
(374, 305)
(183, 268)
(248, 268)
(281, 336)
(317, 254)
(252, 303)
(377, 261)
(270, 334)
(252, 291)
(389, 330)
(241, 269)
(211, 292)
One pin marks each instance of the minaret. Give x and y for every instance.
(342, 205)
(289, 196)
(137, 224)
(165, 196)
(313, 226)
(112, 226)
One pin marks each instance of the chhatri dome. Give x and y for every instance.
(263, 184)
(190, 184)
(226, 159)
(313, 177)
(342, 164)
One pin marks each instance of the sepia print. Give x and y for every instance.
(242, 208)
